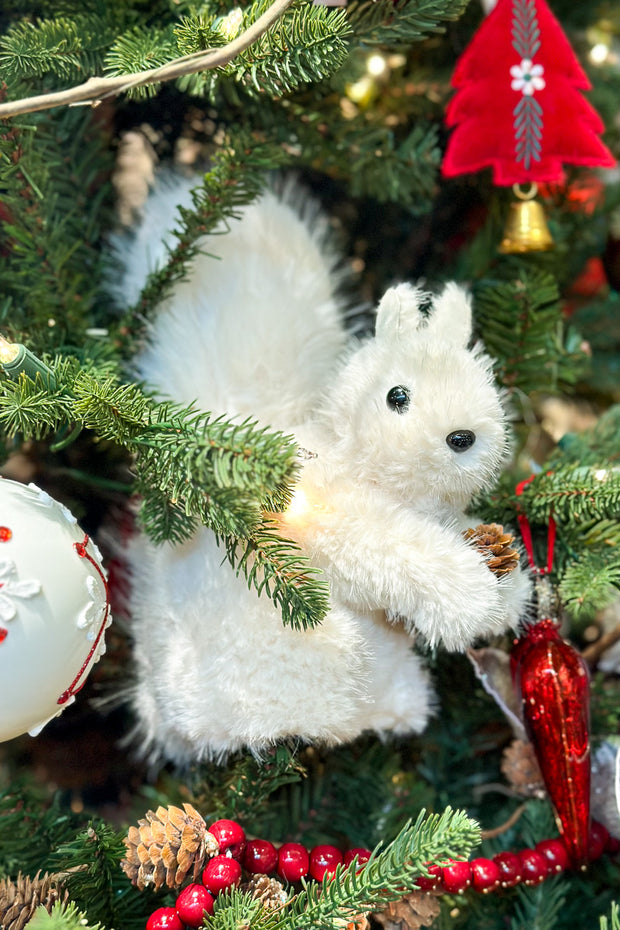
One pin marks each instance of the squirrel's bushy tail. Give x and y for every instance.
(256, 326)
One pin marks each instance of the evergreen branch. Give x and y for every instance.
(590, 583)
(235, 909)
(537, 908)
(271, 563)
(198, 33)
(614, 919)
(55, 199)
(390, 169)
(236, 178)
(66, 47)
(141, 49)
(90, 864)
(115, 411)
(62, 917)
(162, 519)
(96, 89)
(306, 45)
(30, 830)
(27, 408)
(384, 22)
(209, 471)
(574, 494)
(599, 444)
(242, 790)
(353, 891)
(520, 315)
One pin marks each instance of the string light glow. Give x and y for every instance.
(599, 53)
(376, 65)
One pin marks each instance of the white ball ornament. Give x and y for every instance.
(54, 608)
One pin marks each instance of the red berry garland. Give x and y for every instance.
(509, 866)
(222, 872)
(293, 862)
(230, 837)
(164, 918)
(260, 857)
(323, 860)
(485, 875)
(362, 856)
(192, 904)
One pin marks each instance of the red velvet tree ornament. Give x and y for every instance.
(553, 681)
(518, 105)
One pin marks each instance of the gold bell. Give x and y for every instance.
(526, 227)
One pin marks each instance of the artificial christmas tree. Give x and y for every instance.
(354, 98)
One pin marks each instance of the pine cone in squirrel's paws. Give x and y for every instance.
(495, 545)
(20, 899)
(166, 846)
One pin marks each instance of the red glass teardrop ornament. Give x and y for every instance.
(554, 685)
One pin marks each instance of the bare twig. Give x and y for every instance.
(594, 652)
(497, 831)
(96, 89)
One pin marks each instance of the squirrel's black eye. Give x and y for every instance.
(398, 398)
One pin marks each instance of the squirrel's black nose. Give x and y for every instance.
(461, 440)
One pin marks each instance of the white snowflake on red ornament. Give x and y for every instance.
(527, 77)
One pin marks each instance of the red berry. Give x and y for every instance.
(324, 859)
(164, 918)
(260, 857)
(229, 836)
(192, 904)
(433, 881)
(363, 855)
(534, 868)
(485, 875)
(456, 876)
(509, 866)
(555, 854)
(221, 872)
(597, 840)
(293, 861)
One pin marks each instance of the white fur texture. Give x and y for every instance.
(258, 331)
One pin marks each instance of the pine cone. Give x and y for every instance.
(166, 846)
(414, 910)
(495, 546)
(268, 890)
(520, 767)
(20, 899)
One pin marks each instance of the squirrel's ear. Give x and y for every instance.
(399, 312)
(450, 318)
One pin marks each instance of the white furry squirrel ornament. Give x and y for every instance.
(404, 428)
